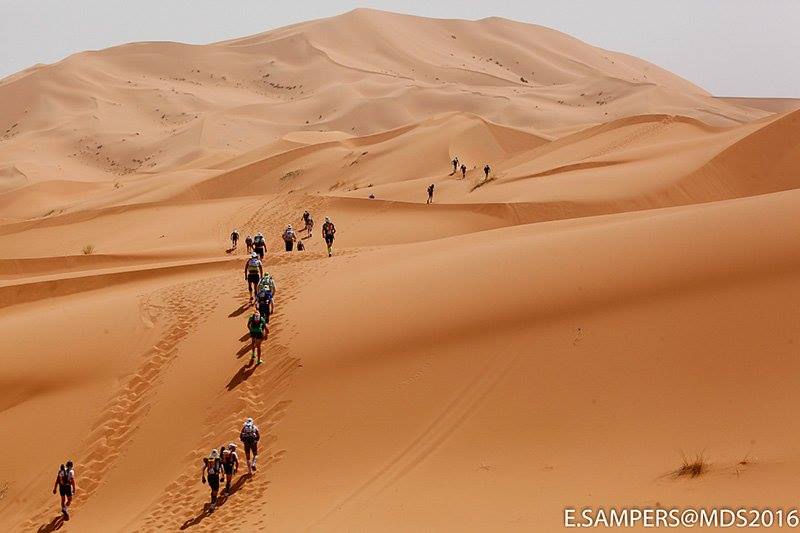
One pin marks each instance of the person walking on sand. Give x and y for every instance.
(250, 437)
(463, 171)
(252, 273)
(309, 225)
(328, 232)
(486, 170)
(430, 194)
(264, 299)
(455, 165)
(306, 216)
(65, 484)
(234, 239)
(212, 465)
(259, 331)
(289, 238)
(230, 464)
(248, 241)
(259, 245)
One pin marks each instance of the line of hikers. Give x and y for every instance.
(221, 465)
(258, 245)
(486, 170)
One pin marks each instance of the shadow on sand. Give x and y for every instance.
(241, 376)
(54, 525)
(238, 484)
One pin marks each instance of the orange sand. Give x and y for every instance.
(622, 291)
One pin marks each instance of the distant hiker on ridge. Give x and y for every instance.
(455, 165)
(463, 171)
(430, 194)
(486, 170)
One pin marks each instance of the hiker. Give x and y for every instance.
(328, 231)
(259, 331)
(264, 297)
(306, 216)
(230, 464)
(486, 170)
(248, 241)
(463, 171)
(300, 246)
(430, 194)
(65, 483)
(309, 225)
(289, 238)
(249, 437)
(252, 273)
(259, 245)
(234, 239)
(455, 165)
(213, 466)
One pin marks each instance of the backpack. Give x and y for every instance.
(328, 228)
(235, 235)
(227, 457)
(64, 476)
(213, 466)
(252, 265)
(258, 241)
(264, 295)
(288, 235)
(249, 433)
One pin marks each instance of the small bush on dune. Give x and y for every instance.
(692, 468)
(88, 249)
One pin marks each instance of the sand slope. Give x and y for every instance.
(620, 291)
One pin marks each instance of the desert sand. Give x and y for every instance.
(622, 291)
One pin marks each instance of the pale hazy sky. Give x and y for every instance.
(729, 47)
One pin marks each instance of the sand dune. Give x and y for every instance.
(620, 291)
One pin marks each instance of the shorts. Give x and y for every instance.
(228, 469)
(260, 252)
(264, 310)
(213, 481)
(289, 245)
(253, 278)
(329, 240)
(256, 335)
(251, 446)
(65, 490)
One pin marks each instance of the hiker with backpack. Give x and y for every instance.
(430, 194)
(264, 297)
(309, 224)
(259, 245)
(248, 241)
(455, 165)
(250, 437)
(65, 484)
(328, 232)
(212, 465)
(486, 170)
(234, 239)
(463, 171)
(252, 273)
(230, 464)
(259, 331)
(289, 238)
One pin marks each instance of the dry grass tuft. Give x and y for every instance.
(88, 249)
(692, 468)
